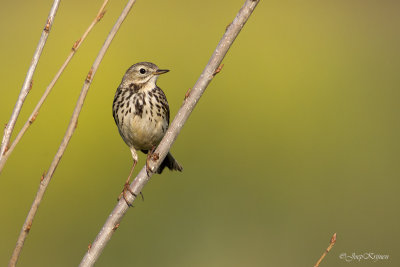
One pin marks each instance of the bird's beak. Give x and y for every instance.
(158, 72)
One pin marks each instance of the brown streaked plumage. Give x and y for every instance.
(141, 112)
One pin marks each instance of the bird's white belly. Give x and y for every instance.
(144, 132)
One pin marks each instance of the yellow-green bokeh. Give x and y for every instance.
(296, 138)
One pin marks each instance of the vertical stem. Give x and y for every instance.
(28, 79)
(67, 137)
(209, 72)
(331, 244)
(36, 110)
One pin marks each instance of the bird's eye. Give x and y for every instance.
(142, 71)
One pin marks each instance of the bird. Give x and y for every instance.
(141, 113)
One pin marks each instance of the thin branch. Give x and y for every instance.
(35, 112)
(187, 107)
(28, 79)
(68, 134)
(331, 244)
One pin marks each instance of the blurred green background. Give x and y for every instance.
(296, 138)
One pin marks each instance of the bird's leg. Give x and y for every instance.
(127, 186)
(127, 183)
(150, 156)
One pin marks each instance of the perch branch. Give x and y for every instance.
(26, 86)
(331, 244)
(35, 112)
(187, 107)
(68, 134)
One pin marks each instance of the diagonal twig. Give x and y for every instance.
(26, 86)
(187, 107)
(35, 112)
(331, 244)
(68, 134)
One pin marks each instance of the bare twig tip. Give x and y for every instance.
(331, 244)
(333, 239)
(218, 69)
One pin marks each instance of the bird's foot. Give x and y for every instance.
(124, 192)
(151, 156)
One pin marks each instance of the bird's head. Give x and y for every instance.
(142, 74)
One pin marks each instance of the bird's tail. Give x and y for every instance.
(171, 163)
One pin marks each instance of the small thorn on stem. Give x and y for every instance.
(75, 46)
(33, 117)
(89, 76)
(30, 85)
(28, 227)
(43, 175)
(89, 246)
(6, 149)
(76, 124)
(187, 94)
(101, 15)
(115, 227)
(218, 69)
(227, 26)
(47, 27)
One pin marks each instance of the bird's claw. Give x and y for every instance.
(148, 170)
(123, 194)
(151, 156)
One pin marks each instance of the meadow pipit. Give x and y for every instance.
(141, 112)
